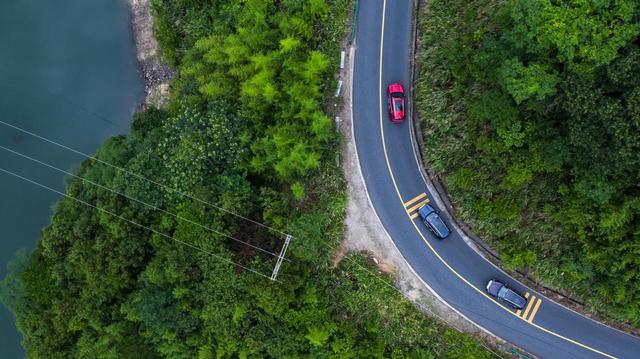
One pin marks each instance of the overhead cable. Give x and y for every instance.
(139, 201)
(219, 257)
(163, 186)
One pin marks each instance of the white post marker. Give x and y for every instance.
(339, 88)
(274, 275)
(342, 56)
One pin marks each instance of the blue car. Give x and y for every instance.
(433, 221)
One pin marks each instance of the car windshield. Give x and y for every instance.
(397, 104)
(502, 293)
(397, 95)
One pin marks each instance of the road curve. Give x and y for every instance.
(450, 267)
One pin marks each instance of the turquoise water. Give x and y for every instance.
(67, 72)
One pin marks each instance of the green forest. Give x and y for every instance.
(246, 139)
(530, 113)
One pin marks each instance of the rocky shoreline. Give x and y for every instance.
(156, 73)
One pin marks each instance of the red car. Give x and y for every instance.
(395, 100)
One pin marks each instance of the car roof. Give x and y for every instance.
(438, 224)
(397, 104)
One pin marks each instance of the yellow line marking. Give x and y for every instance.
(414, 199)
(535, 310)
(418, 205)
(526, 295)
(414, 216)
(528, 308)
(435, 253)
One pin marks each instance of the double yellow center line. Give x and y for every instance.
(532, 303)
(395, 186)
(415, 203)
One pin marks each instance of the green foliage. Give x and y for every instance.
(525, 82)
(582, 34)
(269, 66)
(531, 112)
(179, 24)
(148, 120)
(197, 145)
(298, 190)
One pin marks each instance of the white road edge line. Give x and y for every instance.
(353, 139)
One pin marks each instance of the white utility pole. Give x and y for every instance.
(281, 257)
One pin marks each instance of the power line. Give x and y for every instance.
(140, 201)
(276, 269)
(176, 216)
(165, 187)
(124, 129)
(135, 223)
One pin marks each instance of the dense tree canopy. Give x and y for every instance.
(532, 119)
(245, 133)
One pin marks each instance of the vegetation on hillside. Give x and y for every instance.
(245, 131)
(531, 115)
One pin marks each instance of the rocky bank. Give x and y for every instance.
(156, 73)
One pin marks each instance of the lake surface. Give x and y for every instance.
(68, 72)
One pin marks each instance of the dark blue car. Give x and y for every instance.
(504, 293)
(433, 221)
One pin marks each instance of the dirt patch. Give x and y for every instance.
(339, 255)
(342, 251)
(156, 73)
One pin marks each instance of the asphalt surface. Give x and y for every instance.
(450, 267)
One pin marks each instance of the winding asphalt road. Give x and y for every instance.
(396, 188)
